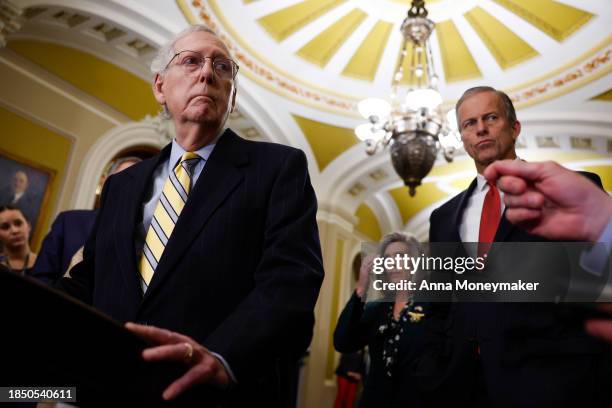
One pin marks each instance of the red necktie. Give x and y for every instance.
(489, 219)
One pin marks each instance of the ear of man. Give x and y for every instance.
(157, 89)
(516, 128)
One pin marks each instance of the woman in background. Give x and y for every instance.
(391, 329)
(15, 238)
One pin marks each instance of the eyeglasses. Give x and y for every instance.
(191, 63)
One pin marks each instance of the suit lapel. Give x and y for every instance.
(130, 216)
(219, 177)
(458, 215)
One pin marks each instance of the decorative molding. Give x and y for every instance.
(337, 217)
(90, 33)
(594, 68)
(11, 19)
(163, 127)
(42, 77)
(145, 133)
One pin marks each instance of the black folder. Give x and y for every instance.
(51, 339)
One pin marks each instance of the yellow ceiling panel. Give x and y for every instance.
(281, 24)
(606, 96)
(364, 63)
(323, 47)
(368, 224)
(409, 2)
(326, 141)
(457, 60)
(461, 183)
(427, 194)
(459, 164)
(605, 172)
(114, 86)
(555, 19)
(508, 48)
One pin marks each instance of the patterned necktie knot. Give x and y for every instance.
(188, 162)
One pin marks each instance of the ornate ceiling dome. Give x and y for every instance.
(332, 53)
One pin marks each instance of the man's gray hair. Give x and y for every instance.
(414, 247)
(167, 51)
(508, 105)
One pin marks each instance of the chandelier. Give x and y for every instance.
(413, 123)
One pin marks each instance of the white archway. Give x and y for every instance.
(120, 138)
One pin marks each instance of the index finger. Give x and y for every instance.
(155, 334)
(524, 170)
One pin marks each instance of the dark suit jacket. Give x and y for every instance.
(358, 326)
(68, 233)
(241, 271)
(508, 354)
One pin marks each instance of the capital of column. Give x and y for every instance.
(10, 19)
(163, 127)
(336, 216)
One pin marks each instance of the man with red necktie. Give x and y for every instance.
(502, 354)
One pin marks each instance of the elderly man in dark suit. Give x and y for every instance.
(504, 354)
(212, 246)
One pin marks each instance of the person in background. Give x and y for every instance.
(391, 330)
(62, 246)
(15, 237)
(349, 373)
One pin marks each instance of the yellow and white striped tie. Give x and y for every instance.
(171, 203)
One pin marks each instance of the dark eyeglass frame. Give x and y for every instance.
(235, 66)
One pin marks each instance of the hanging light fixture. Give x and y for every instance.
(413, 124)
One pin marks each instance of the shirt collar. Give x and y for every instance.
(481, 181)
(177, 152)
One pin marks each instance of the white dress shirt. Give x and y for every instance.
(17, 197)
(469, 228)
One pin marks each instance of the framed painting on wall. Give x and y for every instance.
(26, 185)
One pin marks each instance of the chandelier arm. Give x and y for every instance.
(399, 73)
